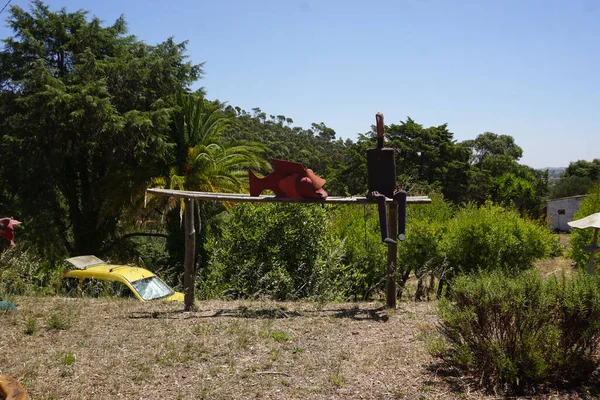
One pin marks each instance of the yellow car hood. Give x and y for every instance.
(177, 296)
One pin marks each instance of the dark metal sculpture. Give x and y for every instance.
(381, 166)
(289, 180)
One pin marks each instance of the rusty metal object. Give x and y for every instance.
(7, 229)
(11, 389)
(289, 180)
(381, 166)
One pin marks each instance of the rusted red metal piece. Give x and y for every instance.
(7, 229)
(289, 180)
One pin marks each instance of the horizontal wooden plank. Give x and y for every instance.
(591, 248)
(241, 197)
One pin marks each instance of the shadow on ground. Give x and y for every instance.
(357, 314)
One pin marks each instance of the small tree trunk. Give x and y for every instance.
(190, 252)
(392, 256)
(402, 283)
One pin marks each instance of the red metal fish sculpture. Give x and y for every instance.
(289, 180)
(7, 229)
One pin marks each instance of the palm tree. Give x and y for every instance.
(202, 162)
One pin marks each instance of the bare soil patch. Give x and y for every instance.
(62, 348)
(558, 265)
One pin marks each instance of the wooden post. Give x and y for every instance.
(190, 252)
(390, 290)
(593, 251)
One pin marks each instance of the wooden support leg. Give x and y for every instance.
(594, 244)
(190, 253)
(390, 291)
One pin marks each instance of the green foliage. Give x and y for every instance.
(517, 332)
(201, 160)
(278, 336)
(493, 238)
(22, 273)
(489, 145)
(583, 237)
(289, 251)
(269, 250)
(68, 359)
(570, 186)
(429, 157)
(363, 258)
(584, 169)
(83, 111)
(510, 189)
(59, 322)
(30, 326)
(444, 243)
(422, 251)
(496, 175)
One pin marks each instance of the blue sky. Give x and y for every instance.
(528, 68)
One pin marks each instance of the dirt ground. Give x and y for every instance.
(63, 348)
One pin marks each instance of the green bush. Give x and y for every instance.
(356, 234)
(23, 273)
(266, 250)
(583, 237)
(422, 251)
(494, 238)
(290, 251)
(517, 333)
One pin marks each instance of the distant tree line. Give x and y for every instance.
(577, 179)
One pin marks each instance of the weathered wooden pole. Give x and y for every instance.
(190, 253)
(593, 249)
(390, 289)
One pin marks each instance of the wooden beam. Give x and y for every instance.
(240, 197)
(190, 253)
(392, 258)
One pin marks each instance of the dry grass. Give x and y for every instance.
(106, 349)
(558, 265)
(99, 349)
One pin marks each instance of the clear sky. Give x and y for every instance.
(525, 68)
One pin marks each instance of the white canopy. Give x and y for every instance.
(591, 221)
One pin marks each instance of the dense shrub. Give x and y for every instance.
(516, 333)
(494, 238)
(422, 251)
(363, 257)
(22, 273)
(442, 243)
(266, 250)
(289, 251)
(583, 237)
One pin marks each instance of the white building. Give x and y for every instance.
(560, 211)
